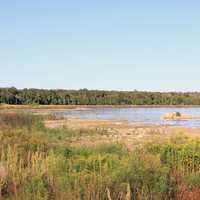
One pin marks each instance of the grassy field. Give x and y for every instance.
(39, 163)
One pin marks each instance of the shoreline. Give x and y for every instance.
(80, 107)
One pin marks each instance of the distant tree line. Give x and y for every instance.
(95, 97)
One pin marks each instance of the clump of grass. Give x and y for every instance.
(178, 114)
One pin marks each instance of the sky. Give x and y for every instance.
(100, 44)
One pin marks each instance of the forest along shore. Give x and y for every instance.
(95, 97)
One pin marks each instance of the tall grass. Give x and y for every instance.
(36, 165)
(16, 120)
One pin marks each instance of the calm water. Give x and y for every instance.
(144, 115)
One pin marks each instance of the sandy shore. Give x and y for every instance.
(130, 134)
(58, 107)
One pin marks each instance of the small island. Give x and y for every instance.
(178, 116)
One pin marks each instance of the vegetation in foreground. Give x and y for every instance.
(39, 164)
(95, 97)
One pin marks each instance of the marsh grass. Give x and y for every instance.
(38, 163)
(18, 120)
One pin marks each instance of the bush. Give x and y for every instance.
(178, 114)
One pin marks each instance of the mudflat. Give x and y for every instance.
(121, 131)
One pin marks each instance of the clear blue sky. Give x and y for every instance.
(100, 44)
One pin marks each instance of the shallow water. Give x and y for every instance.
(143, 115)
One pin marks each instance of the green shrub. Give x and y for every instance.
(178, 114)
(193, 180)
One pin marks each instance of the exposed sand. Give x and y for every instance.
(41, 108)
(178, 116)
(63, 107)
(121, 131)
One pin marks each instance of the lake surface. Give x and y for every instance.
(142, 115)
